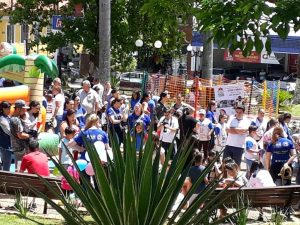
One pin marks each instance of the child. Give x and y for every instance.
(215, 171)
(140, 135)
(220, 132)
(64, 157)
(252, 150)
(194, 173)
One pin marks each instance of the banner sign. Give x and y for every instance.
(254, 57)
(228, 97)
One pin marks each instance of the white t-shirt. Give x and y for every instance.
(88, 100)
(204, 128)
(59, 98)
(166, 134)
(261, 178)
(237, 140)
(65, 158)
(262, 127)
(253, 145)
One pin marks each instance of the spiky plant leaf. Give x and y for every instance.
(134, 191)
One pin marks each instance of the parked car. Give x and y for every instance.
(248, 75)
(228, 73)
(288, 82)
(131, 80)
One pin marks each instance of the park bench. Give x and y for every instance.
(282, 196)
(12, 183)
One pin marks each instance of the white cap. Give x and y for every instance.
(202, 111)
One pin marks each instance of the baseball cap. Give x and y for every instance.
(202, 111)
(21, 104)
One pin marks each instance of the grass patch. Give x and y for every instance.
(9, 219)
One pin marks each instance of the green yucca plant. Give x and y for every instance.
(134, 191)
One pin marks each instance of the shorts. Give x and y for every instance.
(235, 153)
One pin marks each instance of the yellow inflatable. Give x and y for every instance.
(11, 94)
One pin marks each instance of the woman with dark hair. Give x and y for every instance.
(115, 118)
(135, 98)
(144, 101)
(280, 153)
(259, 177)
(161, 105)
(69, 121)
(210, 112)
(283, 120)
(5, 143)
(80, 112)
(32, 116)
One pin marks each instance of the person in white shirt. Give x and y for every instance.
(261, 124)
(204, 129)
(58, 107)
(168, 127)
(221, 134)
(97, 83)
(89, 99)
(237, 129)
(252, 149)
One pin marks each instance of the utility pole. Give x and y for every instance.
(207, 57)
(104, 39)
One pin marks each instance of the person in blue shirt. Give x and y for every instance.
(80, 112)
(138, 114)
(195, 172)
(92, 132)
(115, 117)
(210, 112)
(282, 151)
(135, 98)
(139, 134)
(284, 119)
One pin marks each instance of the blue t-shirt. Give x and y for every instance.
(93, 135)
(133, 118)
(80, 112)
(117, 116)
(194, 173)
(280, 150)
(211, 116)
(133, 102)
(151, 106)
(138, 141)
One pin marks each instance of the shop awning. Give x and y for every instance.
(290, 45)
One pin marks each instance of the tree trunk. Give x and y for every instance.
(207, 57)
(104, 40)
(297, 90)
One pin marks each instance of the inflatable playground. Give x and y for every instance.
(30, 72)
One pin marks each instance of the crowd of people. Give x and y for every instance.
(266, 145)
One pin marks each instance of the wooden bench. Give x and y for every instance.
(11, 183)
(282, 196)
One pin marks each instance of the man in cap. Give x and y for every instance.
(19, 137)
(204, 130)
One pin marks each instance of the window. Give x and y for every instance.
(24, 32)
(10, 33)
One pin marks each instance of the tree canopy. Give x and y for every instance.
(129, 22)
(236, 23)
